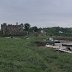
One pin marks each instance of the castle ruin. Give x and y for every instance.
(12, 29)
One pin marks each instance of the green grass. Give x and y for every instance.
(22, 55)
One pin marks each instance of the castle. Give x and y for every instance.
(12, 29)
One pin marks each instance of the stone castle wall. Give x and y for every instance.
(11, 29)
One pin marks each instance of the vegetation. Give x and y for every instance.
(49, 31)
(58, 31)
(27, 53)
(27, 27)
(22, 55)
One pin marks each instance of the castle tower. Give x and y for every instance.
(3, 28)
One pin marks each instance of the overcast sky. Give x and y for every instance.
(41, 13)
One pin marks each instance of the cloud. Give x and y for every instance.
(42, 13)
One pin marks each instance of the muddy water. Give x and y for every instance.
(63, 42)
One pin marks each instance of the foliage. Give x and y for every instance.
(27, 26)
(55, 31)
(49, 31)
(35, 29)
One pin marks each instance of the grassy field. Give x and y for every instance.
(22, 55)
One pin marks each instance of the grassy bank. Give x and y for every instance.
(22, 55)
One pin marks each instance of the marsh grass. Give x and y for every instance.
(22, 55)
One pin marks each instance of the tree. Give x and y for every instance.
(35, 29)
(27, 27)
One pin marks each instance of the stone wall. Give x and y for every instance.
(12, 29)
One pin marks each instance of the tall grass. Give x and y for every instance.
(22, 55)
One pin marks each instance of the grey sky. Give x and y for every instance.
(42, 13)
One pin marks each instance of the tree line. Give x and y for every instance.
(49, 31)
(26, 29)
